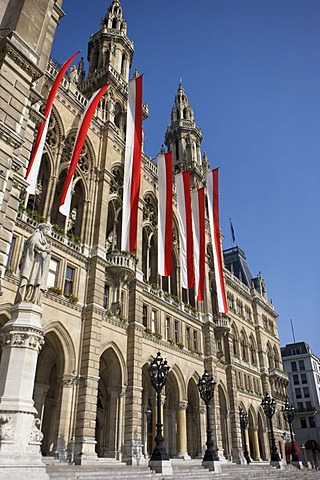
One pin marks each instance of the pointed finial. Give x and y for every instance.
(180, 82)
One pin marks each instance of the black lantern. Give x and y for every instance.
(288, 414)
(206, 386)
(269, 406)
(158, 371)
(244, 421)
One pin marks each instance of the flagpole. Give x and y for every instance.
(293, 335)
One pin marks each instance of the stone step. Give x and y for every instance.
(185, 471)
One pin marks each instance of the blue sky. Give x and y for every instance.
(251, 70)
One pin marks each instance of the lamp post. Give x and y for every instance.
(288, 415)
(206, 386)
(244, 421)
(269, 406)
(158, 371)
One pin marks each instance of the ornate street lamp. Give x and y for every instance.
(158, 371)
(269, 406)
(206, 386)
(244, 421)
(288, 414)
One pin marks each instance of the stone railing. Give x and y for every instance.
(121, 262)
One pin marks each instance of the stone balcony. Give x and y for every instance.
(121, 264)
(222, 323)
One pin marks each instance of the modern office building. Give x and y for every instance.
(107, 312)
(303, 369)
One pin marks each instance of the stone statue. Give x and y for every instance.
(72, 221)
(34, 266)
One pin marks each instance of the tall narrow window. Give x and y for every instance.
(195, 339)
(168, 328)
(53, 273)
(69, 279)
(176, 331)
(145, 315)
(293, 366)
(188, 337)
(153, 321)
(106, 296)
(12, 244)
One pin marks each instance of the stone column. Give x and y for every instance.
(68, 385)
(182, 450)
(256, 448)
(246, 436)
(39, 396)
(20, 437)
(121, 417)
(203, 428)
(113, 422)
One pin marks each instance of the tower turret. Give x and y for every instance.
(183, 137)
(110, 52)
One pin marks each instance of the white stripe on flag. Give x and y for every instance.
(34, 170)
(216, 246)
(196, 237)
(164, 162)
(38, 146)
(128, 161)
(184, 220)
(132, 166)
(66, 194)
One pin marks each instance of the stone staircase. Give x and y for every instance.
(186, 470)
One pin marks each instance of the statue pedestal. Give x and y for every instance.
(20, 437)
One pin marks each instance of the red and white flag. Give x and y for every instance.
(164, 162)
(213, 205)
(36, 155)
(65, 199)
(132, 166)
(185, 229)
(198, 223)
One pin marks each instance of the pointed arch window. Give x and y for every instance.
(149, 245)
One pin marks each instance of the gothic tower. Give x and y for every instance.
(183, 137)
(110, 52)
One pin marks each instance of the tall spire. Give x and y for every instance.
(183, 137)
(114, 19)
(110, 52)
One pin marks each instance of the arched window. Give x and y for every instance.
(123, 64)
(276, 357)
(235, 341)
(149, 245)
(114, 223)
(74, 224)
(270, 356)
(119, 117)
(37, 201)
(244, 346)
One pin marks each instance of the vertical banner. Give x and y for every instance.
(198, 223)
(213, 205)
(185, 229)
(37, 151)
(164, 162)
(65, 199)
(132, 166)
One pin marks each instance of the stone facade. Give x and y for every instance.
(107, 313)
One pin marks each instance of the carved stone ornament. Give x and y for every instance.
(36, 436)
(6, 428)
(24, 337)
